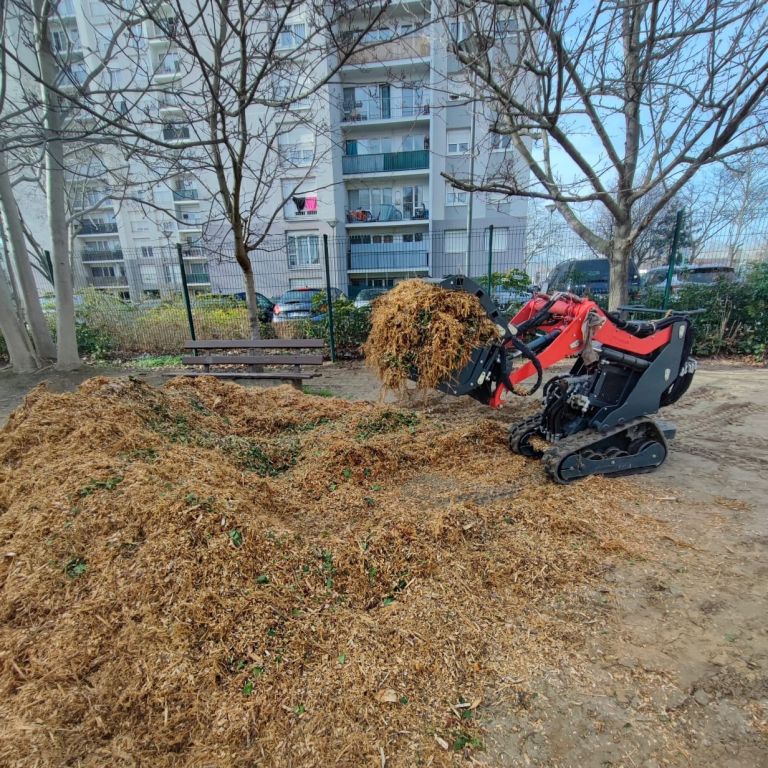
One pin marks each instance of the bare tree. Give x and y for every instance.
(239, 81)
(626, 99)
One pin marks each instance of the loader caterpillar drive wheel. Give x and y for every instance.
(634, 448)
(520, 435)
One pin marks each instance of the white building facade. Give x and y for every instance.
(395, 118)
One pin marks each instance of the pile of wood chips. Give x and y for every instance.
(420, 329)
(208, 575)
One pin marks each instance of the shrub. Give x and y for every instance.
(732, 320)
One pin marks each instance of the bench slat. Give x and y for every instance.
(252, 360)
(288, 375)
(255, 344)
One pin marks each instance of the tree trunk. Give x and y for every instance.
(241, 254)
(621, 250)
(253, 304)
(19, 345)
(38, 326)
(67, 358)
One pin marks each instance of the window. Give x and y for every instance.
(303, 251)
(455, 240)
(457, 30)
(455, 196)
(500, 239)
(499, 142)
(416, 237)
(297, 147)
(291, 36)
(458, 142)
(148, 274)
(146, 252)
(287, 90)
(106, 272)
(299, 201)
(373, 146)
(413, 143)
(505, 27)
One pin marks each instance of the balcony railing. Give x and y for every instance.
(168, 68)
(185, 194)
(115, 254)
(106, 282)
(93, 200)
(385, 258)
(174, 133)
(387, 213)
(382, 109)
(413, 47)
(192, 222)
(197, 278)
(97, 228)
(300, 206)
(165, 29)
(169, 101)
(386, 162)
(193, 253)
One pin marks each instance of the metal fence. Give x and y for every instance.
(132, 302)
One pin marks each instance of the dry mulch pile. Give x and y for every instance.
(208, 575)
(418, 326)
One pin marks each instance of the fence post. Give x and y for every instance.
(185, 291)
(673, 257)
(49, 264)
(329, 300)
(490, 259)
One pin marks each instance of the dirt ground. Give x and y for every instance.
(673, 670)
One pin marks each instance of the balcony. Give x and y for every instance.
(106, 282)
(169, 102)
(366, 110)
(163, 32)
(193, 253)
(168, 69)
(114, 254)
(185, 195)
(93, 200)
(394, 257)
(176, 132)
(387, 214)
(198, 277)
(386, 162)
(98, 228)
(300, 206)
(413, 47)
(191, 224)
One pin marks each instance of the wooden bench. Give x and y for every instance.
(269, 352)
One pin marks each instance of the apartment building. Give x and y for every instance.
(395, 119)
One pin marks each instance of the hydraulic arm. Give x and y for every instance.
(597, 417)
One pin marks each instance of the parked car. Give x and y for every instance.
(587, 277)
(503, 297)
(691, 274)
(367, 295)
(296, 304)
(266, 306)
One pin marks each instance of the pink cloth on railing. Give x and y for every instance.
(310, 206)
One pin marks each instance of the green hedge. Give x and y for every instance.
(734, 320)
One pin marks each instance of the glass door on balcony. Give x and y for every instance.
(413, 200)
(383, 104)
(411, 101)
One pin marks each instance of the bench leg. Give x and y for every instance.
(296, 384)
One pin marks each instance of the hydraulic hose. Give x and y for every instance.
(529, 355)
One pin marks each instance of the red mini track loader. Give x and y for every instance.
(598, 416)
